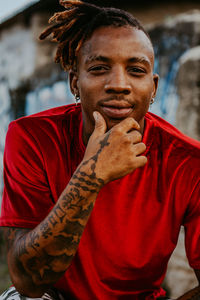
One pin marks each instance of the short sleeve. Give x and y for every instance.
(26, 196)
(192, 228)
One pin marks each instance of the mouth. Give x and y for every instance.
(117, 109)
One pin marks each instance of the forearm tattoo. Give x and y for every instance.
(45, 252)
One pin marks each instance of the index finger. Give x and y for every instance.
(127, 125)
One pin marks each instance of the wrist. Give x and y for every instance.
(90, 175)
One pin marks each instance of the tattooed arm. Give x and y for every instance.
(38, 258)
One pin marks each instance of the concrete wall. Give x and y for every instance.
(28, 75)
(188, 84)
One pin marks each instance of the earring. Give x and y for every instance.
(152, 101)
(77, 98)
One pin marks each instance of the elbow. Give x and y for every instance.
(24, 283)
(26, 288)
(30, 293)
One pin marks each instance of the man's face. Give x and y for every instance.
(115, 76)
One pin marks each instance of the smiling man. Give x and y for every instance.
(117, 79)
(95, 193)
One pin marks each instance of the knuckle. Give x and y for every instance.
(132, 122)
(129, 120)
(117, 130)
(130, 160)
(138, 148)
(127, 140)
(137, 136)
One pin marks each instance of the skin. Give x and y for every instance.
(119, 73)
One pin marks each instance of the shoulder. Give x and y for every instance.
(46, 122)
(43, 130)
(169, 136)
(177, 154)
(53, 115)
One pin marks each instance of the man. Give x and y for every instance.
(95, 193)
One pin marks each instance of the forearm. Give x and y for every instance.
(42, 255)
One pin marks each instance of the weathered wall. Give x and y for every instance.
(26, 69)
(180, 277)
(171, 39)
(188, 84)
(17, 52)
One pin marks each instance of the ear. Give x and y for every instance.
(73, 80)
(155, 80)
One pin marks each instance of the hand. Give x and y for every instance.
(115, 153)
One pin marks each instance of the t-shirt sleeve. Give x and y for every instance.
(26, 196)
(192, 228)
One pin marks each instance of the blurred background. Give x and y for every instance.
(30, 81)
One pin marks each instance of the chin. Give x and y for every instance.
(112, 122)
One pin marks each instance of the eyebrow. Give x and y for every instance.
(93, 58)
(142, 59)
(101, 58)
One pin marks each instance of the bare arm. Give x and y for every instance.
(39, 257)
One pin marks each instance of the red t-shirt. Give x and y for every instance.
(134, 226)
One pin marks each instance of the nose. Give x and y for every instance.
(118, 82)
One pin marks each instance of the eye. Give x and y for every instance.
(99, 69)
(136, 70)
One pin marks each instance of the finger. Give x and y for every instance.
(127, 125)
(140, 161)
(139, 148)
(135, 136)
(100, 124)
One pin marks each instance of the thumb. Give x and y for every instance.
(100, 124)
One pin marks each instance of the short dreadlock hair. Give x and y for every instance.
(73, 26)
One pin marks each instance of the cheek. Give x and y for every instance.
(87, 102)
(87, 90)
(89, 85)
(87, 97)
(145, 91)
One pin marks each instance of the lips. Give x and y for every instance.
(117, 109)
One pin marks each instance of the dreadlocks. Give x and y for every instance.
(77, 23)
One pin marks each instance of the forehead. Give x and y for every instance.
(118, 43)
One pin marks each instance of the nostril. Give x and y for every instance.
(126, 92)
(118, 91)
(117, 87)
